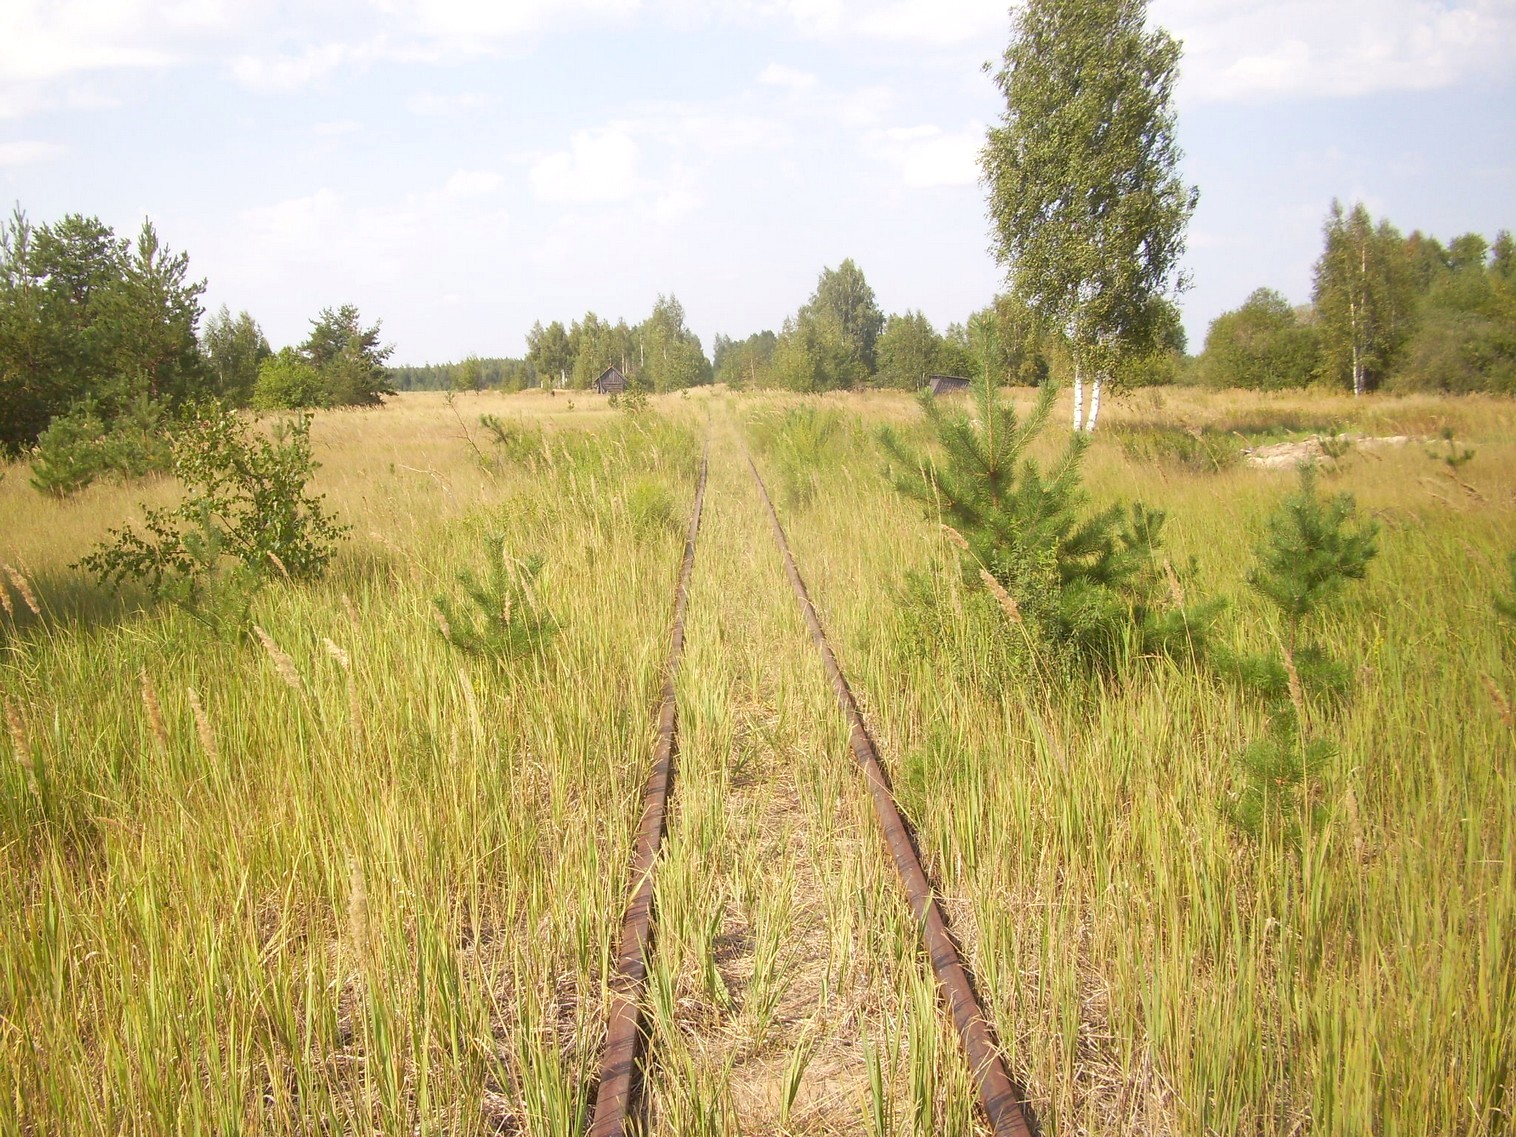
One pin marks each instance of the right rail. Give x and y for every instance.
(1000, 1097)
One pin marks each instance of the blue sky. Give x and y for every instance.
(460, 169)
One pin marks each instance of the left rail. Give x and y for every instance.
(613, 1099)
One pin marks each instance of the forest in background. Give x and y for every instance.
(102, 342)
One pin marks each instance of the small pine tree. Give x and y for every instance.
(501, 618)
(1312, 550)
(1090, 586)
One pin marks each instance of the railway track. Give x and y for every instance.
(999, 1097)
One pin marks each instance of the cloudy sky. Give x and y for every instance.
(460, 168)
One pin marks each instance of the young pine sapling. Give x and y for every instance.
(1312, 551)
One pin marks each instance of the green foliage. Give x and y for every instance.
(468, 375)
(909, 350)
(79, 447)
(515, 441)
(1312, 550)
(348, 357)
(634, 400)
(472, 373)
(1364, 299)
(650, 506)
(670, 354)
(1262, 345)
(1198, 450)
(803, 443)
(287, 382)
(1505, 602)
(549, 353)
(85, 314)
(1452, 455)
(829, 344)
(246, 514)
(1278, 771)
(1311, 553)
(234, 350)
(745, 363)
(1088, 208)
(1019, 349)
(1085, 586)
(498, 617)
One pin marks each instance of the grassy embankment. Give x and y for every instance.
(382, 892)
(1150, 966)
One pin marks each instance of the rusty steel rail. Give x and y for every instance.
(618, 1064)
(1001, 1098)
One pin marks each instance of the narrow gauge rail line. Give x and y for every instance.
(999, 1096)
(618, 1064)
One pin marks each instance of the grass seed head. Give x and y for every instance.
(154, 711)
(283, 664)
(357, 910)
(1005, 599)
(28, 597)
(203, 727)
(1502, 704)
(956, 537)
(343, 659)
(20, 746)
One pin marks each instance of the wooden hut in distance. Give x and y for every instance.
(946, 384)
(611, 382)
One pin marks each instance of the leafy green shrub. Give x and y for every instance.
(288, 381)
(499, 617)
(246, 513)
(80, 447)
(1312, 551)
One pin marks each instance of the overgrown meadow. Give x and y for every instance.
(359, 866)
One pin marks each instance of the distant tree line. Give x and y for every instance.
(1387, 312)
(659, 354)
(473, 373)
(841, 340)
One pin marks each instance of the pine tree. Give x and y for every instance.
(1312, 551)
(1089, 586)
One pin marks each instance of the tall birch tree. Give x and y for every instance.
(1088, 207)
(1364, 298)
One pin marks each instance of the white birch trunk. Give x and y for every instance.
(1089, 424)
(1078, 397)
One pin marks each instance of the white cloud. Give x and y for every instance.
(278, 73)
(599, 166)
(473, 183)
(941, 23)
(328, 241)
(1262, 51)
(928, 156)
(29, 152)
(429, 104)
(335, 128)
(472, 26)
(791, 79)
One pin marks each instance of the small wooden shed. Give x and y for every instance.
(947, 384)
(611, 382)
